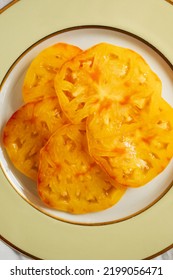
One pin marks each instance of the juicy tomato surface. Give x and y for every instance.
(132, 148)
(102, 74)
(39, 79)
(27, 131)
(69, 179)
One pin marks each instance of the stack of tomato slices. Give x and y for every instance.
(94, 124)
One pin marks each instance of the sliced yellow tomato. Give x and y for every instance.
(135, 149)
(68, 178)
(39, 79)
(102, 73)
(27, 131)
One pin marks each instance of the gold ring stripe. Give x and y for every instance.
(15, 63)
(8, 6)
(169, 1)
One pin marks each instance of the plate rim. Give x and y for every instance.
(89, 26)
(7, 6)
(169, 1)
(17, 249)
(25, 52)
(166, 247)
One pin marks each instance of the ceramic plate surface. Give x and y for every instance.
(135, 200)
(138, 207)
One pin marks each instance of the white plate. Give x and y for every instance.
(22, 226)
(134, 201)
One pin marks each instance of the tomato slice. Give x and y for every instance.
(39, 79)
(104, 73)
(132, 148)
(69, 180)
(28, 130)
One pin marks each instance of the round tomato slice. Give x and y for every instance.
(39, 79)
(104, 72)
(68, 179)
(27, 131)
(135, 149)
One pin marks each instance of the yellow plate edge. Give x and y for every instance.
(134, 2)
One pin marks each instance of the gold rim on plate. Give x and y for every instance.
(36, 44)
(160, 210)
(8, 6)
(169, 1)
(9, 244)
